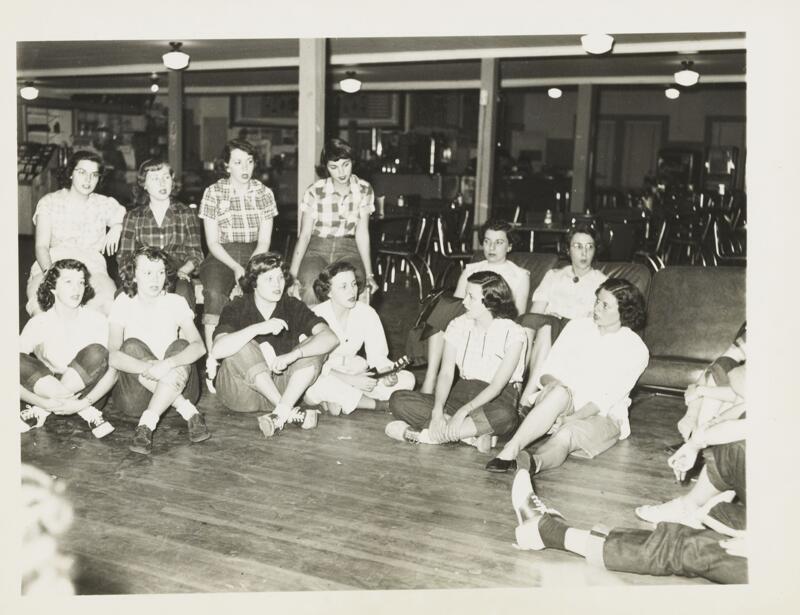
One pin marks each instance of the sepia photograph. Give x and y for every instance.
(328, 311)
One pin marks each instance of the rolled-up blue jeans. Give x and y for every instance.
(324, 251)
(217, 279)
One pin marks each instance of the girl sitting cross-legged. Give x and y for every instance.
(63, 357)
(153, 343)
(488, 348)
(345, 383)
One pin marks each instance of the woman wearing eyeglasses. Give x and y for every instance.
(497, 243)
(77, 223)
(563, 295)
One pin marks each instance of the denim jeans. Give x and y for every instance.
(129, 394)
(498, 417)
(673, 548)
(91, 363)
(324, 251)
(217, 279)
(235, 382)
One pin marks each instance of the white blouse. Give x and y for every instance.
(598, 368)
(480, 353)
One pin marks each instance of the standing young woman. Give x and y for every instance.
(587, 380)
(77, 223)
(562, 295)
(162, 222)
(345, 383)
(334, 223)
(68, 372)
(237, 213)
(488, 348)
(153, 343)
(497, 243)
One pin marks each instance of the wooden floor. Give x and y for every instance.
(338, 507)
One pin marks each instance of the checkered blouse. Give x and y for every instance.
(238, 217)
(178, 235)
(335, 215)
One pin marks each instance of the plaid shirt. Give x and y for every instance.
(335, 215)
(178, 235)
(238, 217)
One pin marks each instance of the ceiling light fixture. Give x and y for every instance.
(29, 91)
(350, 84)
(554, 92)
(597, 43)
(154, 83)
(672, 93)
(176, 59)
(687, 76)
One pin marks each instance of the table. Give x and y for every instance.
(532, 228)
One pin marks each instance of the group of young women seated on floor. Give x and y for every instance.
(86, 336)
(288, 359)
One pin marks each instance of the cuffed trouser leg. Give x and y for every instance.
(132, 398)
(236, 380)
(673, 548)
(499, 416)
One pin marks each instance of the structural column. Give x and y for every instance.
(175, 121)
(487, 136)
(582, 161)
(310, 113)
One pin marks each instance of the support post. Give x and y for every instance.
(582, 161)
(310, 113)
(487, 134)
(175, 121)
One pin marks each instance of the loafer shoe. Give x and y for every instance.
(198, 431)
(142, 440)
(501, 465)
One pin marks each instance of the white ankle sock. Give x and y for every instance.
(185, 408)
(150, 419)
(89, 413)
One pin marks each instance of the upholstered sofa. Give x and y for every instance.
(693, 314)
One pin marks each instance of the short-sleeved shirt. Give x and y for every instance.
(335, 215)
(362, 328)
(178, 234)
(243, 312)
(157, 324)
(78, 230)
(514, 275)
(238, 217)
(564, 296)
(55, 341)
(478, 353)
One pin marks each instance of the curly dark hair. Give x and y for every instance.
(221, 164)
(496, 224)
(65, 178)
(630, 302)
(261, 263)
(44, 294)
(140, 196)
(335, 149)
(128, 272)
(497, 295)
(322, 285)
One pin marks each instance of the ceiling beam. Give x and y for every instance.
(436, 55)
(429, 55)
(463, 84)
